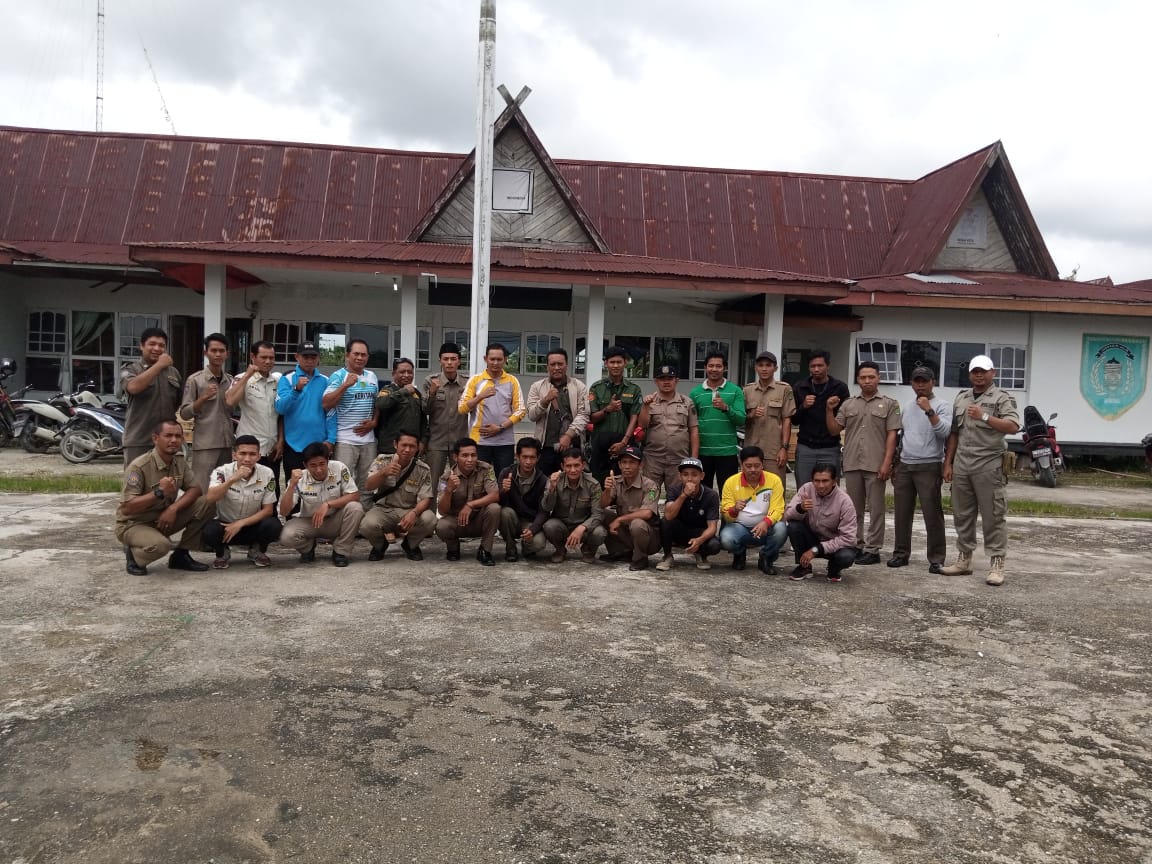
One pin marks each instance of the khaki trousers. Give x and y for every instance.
(381, 520)
(664, 473)
(482, 524)
(148, 543)
(640, 537)
(203, 461)
(865, 489)
(340, 526)
(358, 458)
(980, 494)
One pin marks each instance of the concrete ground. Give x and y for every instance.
(436, 712)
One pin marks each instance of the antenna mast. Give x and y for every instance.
(99, 65)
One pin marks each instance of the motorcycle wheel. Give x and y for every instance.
(1047, 477)
(32, 442)
(5, 434)
(80, 445)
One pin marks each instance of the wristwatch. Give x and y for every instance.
(815, 550)
(984, 417)
(159, 493)
(930, 413)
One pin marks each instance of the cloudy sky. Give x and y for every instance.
(884, 89)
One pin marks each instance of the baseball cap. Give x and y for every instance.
(665, 372)
(307, 348)
(767, 355)
(981, 361)
(691, 463)
(631, 452)
(922, 372)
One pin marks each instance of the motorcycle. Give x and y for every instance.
(1041, 446)
(41, 422)
(92, 432)
(8, 417)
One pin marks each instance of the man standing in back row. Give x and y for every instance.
(494, 404)
(814, 443)
(720, 411)
(974, 463)
(152, 387)
(351, 393)
(445, 425)
(614, 403)
(770, 405)
(204, 401)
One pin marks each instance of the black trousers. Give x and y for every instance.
(499, 456)
(673, 532)
(803, 539)
(266, 531)
(717, 469)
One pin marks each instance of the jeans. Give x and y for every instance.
(499, 456)
(735, 538)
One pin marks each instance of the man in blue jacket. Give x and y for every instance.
(298, 400)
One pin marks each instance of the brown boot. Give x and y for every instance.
(962, 567)
(996, 574)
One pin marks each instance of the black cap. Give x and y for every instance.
(922, 372)
(666, 372)
(767, 355)
(632, 452)
(308, 348)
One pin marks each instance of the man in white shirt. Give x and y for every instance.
(254, 393)
(352, 393)
(244, 492)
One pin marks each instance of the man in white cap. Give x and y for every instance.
(974, 464)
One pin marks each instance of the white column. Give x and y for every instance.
(408, 300)
(772, 331)
(482, 199)
(594, 351)
(215, 305)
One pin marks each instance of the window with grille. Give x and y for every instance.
(463, 339)
(703, 348)
(673, 351)
(536, 348)
(1011, 365)
(284, 336)
(131, 326)
(884, 354)
(47, 332)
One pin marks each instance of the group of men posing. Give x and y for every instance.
(361, 459)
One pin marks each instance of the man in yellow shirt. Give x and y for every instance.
(752, 508)
(494, 405)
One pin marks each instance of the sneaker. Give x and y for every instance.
(996, 574)
(665, 563)
(262, 560)
(936, 568)
(253, 552)
(962, 567)
(221, 562)
(558, 556)
(588, 557)
(898, 561)
(833, 577)
(702, 563)
(800, 573)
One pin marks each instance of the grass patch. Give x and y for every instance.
(60, 483)
(1056, 509)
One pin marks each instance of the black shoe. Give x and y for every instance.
(412, 553)
(897, 561)
(453, 554)
(131, 566)
(800, 573)
(182, 560)
(867, 558)
(485, 557)
(615, 556)
(377, 553)
(739, 560)
(339, 560)
(510, 556)
(309, 556)
(766, 566)
(640, 564)
(936, 569)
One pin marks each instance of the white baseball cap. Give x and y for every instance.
(981, 361)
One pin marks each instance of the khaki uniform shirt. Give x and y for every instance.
(244, 498)
(867, 423)
(764, 432)
(213, 430)
(670, 424)
(145, 410)
(446, 425)
(258, 410)
(481, 482)
(310, 493)
(144, 474)
(579, 506)
(979, 447)
(640, 494)
(416, 486)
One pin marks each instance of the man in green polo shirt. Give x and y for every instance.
(720, 410)
(614, 403)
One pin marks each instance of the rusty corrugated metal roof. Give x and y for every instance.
(966, 283)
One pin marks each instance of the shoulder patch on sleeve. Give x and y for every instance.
(345, 475)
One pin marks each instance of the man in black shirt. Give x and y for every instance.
(691, 517)
(522, 488)
(814, 443)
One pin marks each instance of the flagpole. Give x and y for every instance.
(482, 203)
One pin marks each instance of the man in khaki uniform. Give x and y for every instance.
(769, 406)
(401, 486)
(205, 400)
(634, 526)
(329, 506)
(470, 503)
(671, 430)
(572, 500)
(152, 509)
(974, 464)
(152, 387)
(869, 422)
(446, 425)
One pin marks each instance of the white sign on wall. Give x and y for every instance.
(971, 232)
(512, 190)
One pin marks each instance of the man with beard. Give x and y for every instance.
(558, 405)
(814, 443)
(401, 487)
(400, 408)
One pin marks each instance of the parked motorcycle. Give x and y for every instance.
(1041, 446)
(40, 423)
(8, 418)
(92, 432)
